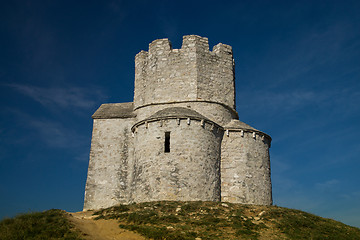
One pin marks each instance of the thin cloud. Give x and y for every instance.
(261, 100)
(83, 157)
(77, 97)
(54, 134)
(315, 49)
(298, 199)
(351, 195)
(327, 185)
(336, 101)
(288, 100)
(48, 132)
(279, 164)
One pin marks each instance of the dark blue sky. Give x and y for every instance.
(297, 79)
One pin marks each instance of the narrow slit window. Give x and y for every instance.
(167, 142)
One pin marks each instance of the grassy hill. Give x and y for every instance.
(188, 220)
(213, 220)
(51, 224)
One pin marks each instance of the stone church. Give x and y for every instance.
(181, 138)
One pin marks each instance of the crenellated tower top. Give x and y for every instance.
(192, 73)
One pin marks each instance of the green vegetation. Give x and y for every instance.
(213, 220)
(51, 224)
(301, 225)
(187, 220)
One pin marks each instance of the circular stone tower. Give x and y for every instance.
(191, 77)
(245, 165)
(177, 157)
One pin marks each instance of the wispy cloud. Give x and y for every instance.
(335, 101)
(321, 47)
(54, 134)
(279, 165)
(47, 132)
(275, 103)
(83, 98)
(83, 157)
(351, 195)
(286, 100)
(327, 185)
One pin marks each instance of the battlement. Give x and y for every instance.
(192, 43)
(191, 73)
(160, 46)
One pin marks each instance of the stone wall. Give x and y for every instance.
(245, 168)
(162, 70)
(110, 163)
(215, 80)
(189, 172)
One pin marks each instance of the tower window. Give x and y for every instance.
(167, 141)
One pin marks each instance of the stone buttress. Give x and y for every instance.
(110, 156)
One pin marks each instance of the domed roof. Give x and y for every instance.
(176, 112)
(237, 124)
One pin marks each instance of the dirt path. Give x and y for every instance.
(100, 229)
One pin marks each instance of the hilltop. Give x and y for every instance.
(178, 220)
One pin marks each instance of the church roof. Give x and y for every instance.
(176, 112)
(237, 124)
(115, 110)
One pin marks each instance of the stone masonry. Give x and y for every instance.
(180, 139)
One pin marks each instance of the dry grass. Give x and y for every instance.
(213, 220)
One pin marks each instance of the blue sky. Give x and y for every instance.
(297, 79)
